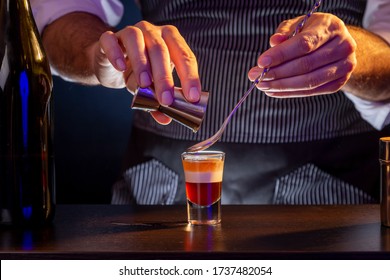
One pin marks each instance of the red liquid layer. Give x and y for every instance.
(203, 193)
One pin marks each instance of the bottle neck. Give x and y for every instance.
(22, 25)
(22, 7)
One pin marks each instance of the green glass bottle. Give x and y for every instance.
(27, 173)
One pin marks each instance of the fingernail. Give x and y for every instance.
(145, 79)
(194, 94)
(120, 64)
(265, 61)
(166, 98)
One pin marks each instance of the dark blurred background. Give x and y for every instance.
(92, 126)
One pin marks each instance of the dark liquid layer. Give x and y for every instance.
(203, 193)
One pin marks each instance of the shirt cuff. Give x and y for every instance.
(47, 11)
(376, 114)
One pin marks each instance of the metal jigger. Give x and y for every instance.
(188, 114)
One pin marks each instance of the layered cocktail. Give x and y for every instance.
(203, 173)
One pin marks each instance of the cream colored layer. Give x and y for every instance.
(203, 177)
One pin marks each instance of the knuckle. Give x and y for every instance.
(285, 26)
(349, 46)
(107, 38)
(130, 31)
(106, 34)
(349, 65)
(336, 25)
(107, 42)
(187, 57)
(143, 24)
(170, 30)
(156, 47)
(307, 43)
(284, 23)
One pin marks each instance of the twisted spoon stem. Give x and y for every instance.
(210, 141)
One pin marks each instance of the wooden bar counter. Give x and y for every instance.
(161, 232)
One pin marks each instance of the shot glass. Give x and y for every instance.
(203, 172)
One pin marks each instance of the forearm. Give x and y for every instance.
(69, 42)
(371, 78)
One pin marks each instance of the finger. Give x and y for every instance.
(160, 61)
(131, 83)
(160, 117)
(329, 53)
(319, 28)
(255, 72)
(185, 63)
(284, 30)
(342, 69)
(133, 41)
(277, 39)
(110, 46)
(328, 88)
(287, 26)
(295, 47)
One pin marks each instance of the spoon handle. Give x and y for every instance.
(210, 141)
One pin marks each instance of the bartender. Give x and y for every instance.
(309, 135)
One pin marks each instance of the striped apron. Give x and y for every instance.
(314, 150)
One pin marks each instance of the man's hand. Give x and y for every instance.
(143, 55)
(318, 60)
(134, 56)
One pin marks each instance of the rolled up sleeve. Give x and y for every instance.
(376, 20)
(47, 11)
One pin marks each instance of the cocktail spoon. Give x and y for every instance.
(210, 141)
